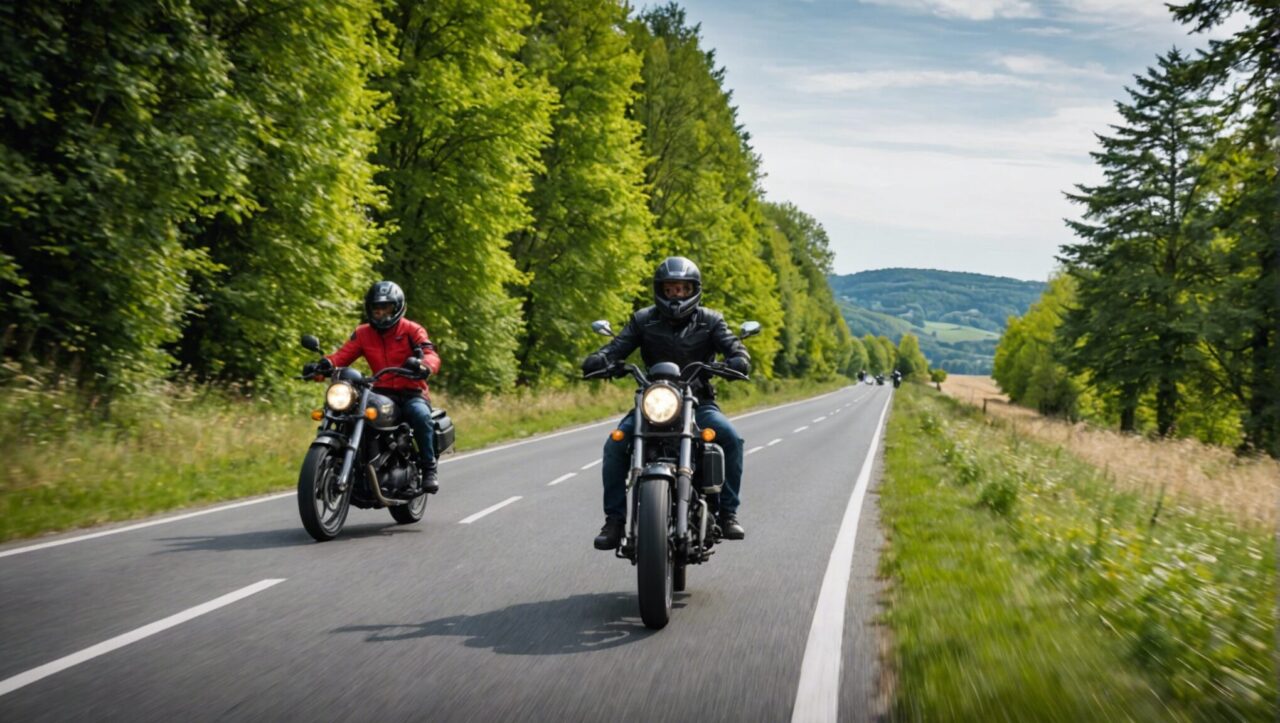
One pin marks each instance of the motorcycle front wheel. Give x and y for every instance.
(654, 564)
(322, 507)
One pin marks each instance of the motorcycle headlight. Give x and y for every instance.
(660, 404)
(339, 397)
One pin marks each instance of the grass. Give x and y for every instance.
(181, 447)
(1187, 470)
(1027, 585)
(951, 333)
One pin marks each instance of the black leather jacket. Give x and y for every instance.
(697, 339)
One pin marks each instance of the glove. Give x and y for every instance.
(739, 364)
(324, 366)
(594, 363)
(414, 364)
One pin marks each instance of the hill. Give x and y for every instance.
(958, 316)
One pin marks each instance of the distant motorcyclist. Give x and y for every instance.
(897, 377)
(390, 340)
(675, 329)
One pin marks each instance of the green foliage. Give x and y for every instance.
(1144, 243)
(702, 177)
(911, 361)
(117, 127)
(1027, 363)
(937, 376)
(459, 161)
(295, 252)
(584, 256)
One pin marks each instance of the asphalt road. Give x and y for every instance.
(236, 614)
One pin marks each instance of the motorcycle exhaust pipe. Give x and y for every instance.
(377, 491)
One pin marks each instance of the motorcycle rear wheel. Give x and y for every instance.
(654, 563)
(321, 506)
(410, 513)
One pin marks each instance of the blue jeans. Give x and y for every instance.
(617, 463)
(417, 412)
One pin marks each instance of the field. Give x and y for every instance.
(951, 333)
(1187, 470)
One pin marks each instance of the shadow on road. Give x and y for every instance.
(575, 624)
(275, 539)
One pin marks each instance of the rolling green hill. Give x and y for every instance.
(957, 316)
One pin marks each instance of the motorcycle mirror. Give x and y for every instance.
(602, 327)
(310, 342)
(749, 328)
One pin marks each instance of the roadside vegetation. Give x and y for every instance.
(1027, 584)
(178, 447)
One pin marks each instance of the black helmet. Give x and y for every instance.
(677, 268)
(384, 292)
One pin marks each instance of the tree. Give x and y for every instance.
(294, 254)
(1243, 340)
(583, 256)
(1027, 363)
(1144, 244)
(460, 160)
(118, 126)
(911, 361)
(702, 176)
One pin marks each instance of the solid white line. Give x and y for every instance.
(24, 679)
(449, 460)
(589, 465)
(819, 419)
(562, 478)
(140, 525)
(797, 430)
(487, 510)
(779, 439)
(818, 695)
(753, 450)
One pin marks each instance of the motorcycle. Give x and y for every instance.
(674, 468)
(897, 380)
(363, 453)
(880, 379)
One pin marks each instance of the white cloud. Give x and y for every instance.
(1043, 65)
(967, 9)
(879, 79)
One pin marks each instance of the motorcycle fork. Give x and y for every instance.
(684, 478)
(637, 464)
(353, 443)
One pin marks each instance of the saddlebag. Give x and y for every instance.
(444, 433)
(710, 474)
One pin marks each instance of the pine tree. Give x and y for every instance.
(1144, 244)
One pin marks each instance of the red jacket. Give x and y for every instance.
(390, 348)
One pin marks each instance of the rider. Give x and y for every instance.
(676, 330)
(390, 340)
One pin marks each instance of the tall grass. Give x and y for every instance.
(1187, 470)
(175, 446)
(1029, 585)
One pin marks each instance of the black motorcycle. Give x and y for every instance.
(897, 380)
(674, 467)
(880, 379)
(363, 453)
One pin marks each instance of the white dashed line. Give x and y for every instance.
(753, 450)
(589, 465)
(24, 679)
(562, 478)
(819, 419)
(779, 439)
(487, 510)
(797, 430)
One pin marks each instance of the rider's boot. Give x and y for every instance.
(610, 535)
(730, 527)
(430, 479)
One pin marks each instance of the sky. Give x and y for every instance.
(934, 133)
